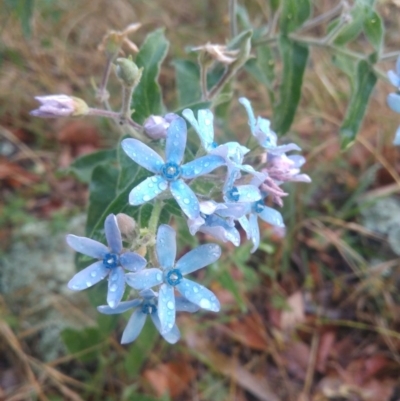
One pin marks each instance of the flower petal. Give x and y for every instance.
(166, 308)
(172, 336)
(132, 261)
(147, 190)
(186, 198)
(235, 210)
(223, 232)
(244, 222)
(166, 246)
(87, 246)
(142, 154)
(396, 140)
(183, 305)
(393, 78)
(134, 326)
(144, 279)
(116, 287)
(202, 165)
(198, 258)
(176, 141)
(248, 193)
(89, 276)
(254, 232)
(113, 234)
(199, 295)
(393, 101)
(121, 308)
(272, 216)
(203, 127)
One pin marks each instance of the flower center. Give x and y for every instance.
(233, 194)
(110, 261)
(148, 308)
(258, 206)
(170, 171)
(214, 145)
(173, 277)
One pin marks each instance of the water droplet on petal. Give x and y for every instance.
(170, 325)
(113, 287)
(88, 283)
(170, 305)
(159, 277)
(207, 121)
(93, 274)
(146, 198)
(205, 303)
(195, 289)
(186, 201)
(154, 179)
(151, 185)
(163, 186)
(206, 164)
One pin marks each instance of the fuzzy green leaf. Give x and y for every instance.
(147, 97)
(294, 14)
(187, 77)
(364, 84)
(294, 58)
(374, 30)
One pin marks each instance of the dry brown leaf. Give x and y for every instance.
(297, 357)
(16, 176)
(326, 342)
(249, 331)
(170, 378)
(230, 367)
(78, 133)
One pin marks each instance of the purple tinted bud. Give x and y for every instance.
(53, 106)
(156, 126)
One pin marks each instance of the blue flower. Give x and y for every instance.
(170, 276)
(209, 222)
(240, 193)
(112, 262)
(254, 211)
(147, 305)
(169, 174)
(261, 130)
(396, 140)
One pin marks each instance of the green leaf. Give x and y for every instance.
(263, 68)
(140, 350)
(102, 190)
(81, 340)
(294, 58)
(147, 98)
(24, 11)
(294, 14)
(187, 75)
(374, 30)
(83, 167)
(364, 84)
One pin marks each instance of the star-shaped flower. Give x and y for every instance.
(112, 262)
(169, 174)
(240, 193)
(261, 130)
(250, 224)
(145, 306)
(170, 276)
(211, 223)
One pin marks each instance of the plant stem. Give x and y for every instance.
(232, 18)
(323, 17)
(126, 103)
(102, 93)
(388, 56)
(155, 216)
(203, 81)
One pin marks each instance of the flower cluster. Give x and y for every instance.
(241, 194)
(393, 99)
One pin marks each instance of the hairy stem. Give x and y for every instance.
(232, 18)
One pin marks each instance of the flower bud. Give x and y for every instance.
(156, 126)
(53, 106)
(127, 226)
(128, 72)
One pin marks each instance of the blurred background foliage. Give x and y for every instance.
(314, 316)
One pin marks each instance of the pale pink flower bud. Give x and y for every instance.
(54, 106)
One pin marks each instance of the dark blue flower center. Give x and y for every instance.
(170, 171)
(233, 194)
(148, 307)
(258, 206)
(110, 261)
(214, 145)
(173, 277)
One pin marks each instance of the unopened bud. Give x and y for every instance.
(156, 126)
(127, 226)
(128, 72)
(241, 43)
(53, 106)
